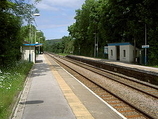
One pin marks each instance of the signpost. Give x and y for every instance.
(145, 46)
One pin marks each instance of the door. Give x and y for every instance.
(118, 53)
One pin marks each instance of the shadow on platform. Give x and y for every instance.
(40, 69)
(32, 102)
(39, 61)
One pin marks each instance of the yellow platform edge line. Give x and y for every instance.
(79, 110)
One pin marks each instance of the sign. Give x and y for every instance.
(105, 49)
(145, 46)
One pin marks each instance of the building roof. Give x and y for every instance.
(118, 44)
(36, 44)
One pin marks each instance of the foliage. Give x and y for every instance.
(12, 14)
(115, 21)
(68, 45)
(32, 36)
(11, 83)
(49, 44)
(64, 45)
(10, 38)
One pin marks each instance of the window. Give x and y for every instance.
(124, 53)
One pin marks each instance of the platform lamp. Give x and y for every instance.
(145, 44)
(94, 44)
(36, 14)
(30, 21)
(36, 34)
(145, 30)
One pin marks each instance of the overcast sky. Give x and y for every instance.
(56, 16)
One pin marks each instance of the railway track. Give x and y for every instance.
(101, 84)
(128, 81)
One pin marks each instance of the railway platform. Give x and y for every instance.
(138, 72)
(123, 64)
(50, 92)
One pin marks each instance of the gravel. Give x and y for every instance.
(140, 100)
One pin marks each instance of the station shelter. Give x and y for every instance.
(122, 52)
(29, 51)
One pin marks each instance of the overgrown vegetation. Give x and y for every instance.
(64, 45)
(110, 21)
(12, 33)
(11, 83)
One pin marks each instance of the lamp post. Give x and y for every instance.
(30, 40)
(36, 34)
(36, 14)
(95, 45)
(30, 56)
(39, 46)
(145, 44)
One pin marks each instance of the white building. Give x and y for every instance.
(29, 52)
(122, 52)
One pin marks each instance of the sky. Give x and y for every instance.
(56, 16)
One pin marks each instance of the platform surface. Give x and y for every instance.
(124, 64)
(52, 93)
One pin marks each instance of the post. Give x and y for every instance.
(40, 46)
(35, 36)
(135, 51)
(145, 58)
(30, 41)
(95, 45)
(30, 37)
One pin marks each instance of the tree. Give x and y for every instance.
(81, 30)
(68, 46)
(36, 35)
(10, 38)
(12, 12)
(116, 21)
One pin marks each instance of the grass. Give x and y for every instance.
(63, 54)
(12, 79)
(156, 66)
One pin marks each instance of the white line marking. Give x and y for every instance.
(96, 95)
(123, 117)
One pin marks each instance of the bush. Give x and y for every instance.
(11, 83)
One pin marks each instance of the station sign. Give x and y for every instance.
(145, 46)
